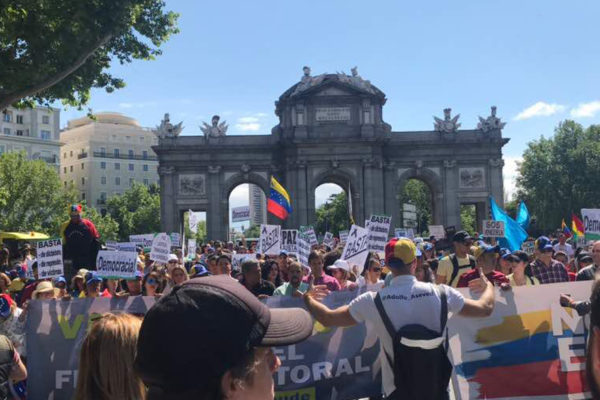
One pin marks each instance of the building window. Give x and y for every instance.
(82, 166)
(114, 138)
(127, 138)
(117, 166)
(102, 165)
(71, 168)
(145, 155)
(145, 167)
(141, 139)
(103, 180)
(116, 152)
(83, 180)
(7, 131)
(102, 151)
(103, 195)
(45, 119)
(103, 212)
(130, 154)
(71, 153)
(65, 170)
(65, 182)
(65, 155)
(130, 181)
(1, 149)
(117, 181)
(131, 167)
(82, 196)
(46, 135)
(146, 182)
(19, 132)
(6, 117)
(19, 119)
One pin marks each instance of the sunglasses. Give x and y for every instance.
(173, 261)
(377, 269)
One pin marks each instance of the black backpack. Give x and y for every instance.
(456, 267)
(420, 364)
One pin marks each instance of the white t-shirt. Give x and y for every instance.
(406, 301)
(371, 287)
(567, 248)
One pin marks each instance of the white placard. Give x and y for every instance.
(116, 264)
(161, 248)
(193, 220)
(240, 214)
(111, 245)
(437, 231)
(404, 232)
(144, 240)
(49, 258)
(591, 223)
(528, 247)
(175, 239)
(303, 245)
(191, 247)
(309, 231)
(356, 250)
(288, 240)
(328, 240)
(344, 236)
(125, 246)
(270, 239)
(493, 229)
(379, 229)
(409, 207)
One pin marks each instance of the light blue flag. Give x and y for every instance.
(514, 234)
(523, 216)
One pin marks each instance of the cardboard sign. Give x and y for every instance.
(303, 245)
(240, 214)
(356, 250)
(344, 236)
(288, 240)
(270, 239)
(404, 232)
(49, 258)
(591, 223)
(111, 245)
(379, 228)
(437, 231)
(191, 247)
(161, 248)
(144, 240)
(193, 220)
(328, 240)
(116, 264)
(175, 239)
(528, 247)
(309, 231)
(493, 229)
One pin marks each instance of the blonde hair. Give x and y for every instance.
(106, 360)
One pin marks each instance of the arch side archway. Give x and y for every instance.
(433, 181)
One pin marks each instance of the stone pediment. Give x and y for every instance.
(333, 91)
(331, 84)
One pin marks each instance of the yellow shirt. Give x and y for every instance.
(445, 268)
(528, 281)
(16, 285)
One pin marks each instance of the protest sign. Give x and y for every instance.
(238, 259)
(529, 340)
(379, 228)
(175, 239)
(303, 247)
(193, 220)
(125, 246)
(309, 231)
(591, 223)
(191, 247)
(161, 248)
(240, 214)
(344, 236)
(288, 240)
(437, 231)
(270, 239)
(116, 264)
(111, 245)
(328, 240)
(142, 240)
(528, 247)
(49, 258)
(404, 232)
(356, 250)
(493, 229)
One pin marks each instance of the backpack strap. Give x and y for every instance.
(455, 268)
(472, 261)
(384, 317)
(444, 307)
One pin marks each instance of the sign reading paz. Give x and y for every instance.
(288, 240)
(356, 250)
(49, 258)
(493, 228)
(161, 248)
(270, 239)
(116, 264)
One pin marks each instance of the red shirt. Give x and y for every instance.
(495, 277)
(328, 280)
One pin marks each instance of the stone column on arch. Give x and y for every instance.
(391, 196)
(214, 214)
(373, 187)
(450, 194)
(168, 206)
(496, 184)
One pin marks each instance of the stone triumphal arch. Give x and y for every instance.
(331, 129)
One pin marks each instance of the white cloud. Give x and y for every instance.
(510, 173)
(239, 196)
(138, 105)
(248, 126)
(540, 109)
(247, 120)
(584, 110)
(322, 192)
(252, 122)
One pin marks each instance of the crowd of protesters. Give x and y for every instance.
(470, 261)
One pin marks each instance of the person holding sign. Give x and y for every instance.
(406, 368)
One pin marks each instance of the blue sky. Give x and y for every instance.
(537, 61)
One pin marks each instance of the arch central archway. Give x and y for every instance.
(341, 178)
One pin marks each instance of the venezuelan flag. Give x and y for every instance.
(565, 229)
(279, 200)
(577, 226)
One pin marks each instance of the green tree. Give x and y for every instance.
(468, 218)
(200, 234)
(60, 49)
(136, 211)
(32, 197)
(333, 215)
(418, 193)
(108, 228)
(561, 174)
(252, 232)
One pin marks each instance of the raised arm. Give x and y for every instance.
(482, 307)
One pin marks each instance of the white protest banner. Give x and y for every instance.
(309, 231)
(49, 258)
(116, 264)
(328, 240)
(270, 239)
(529, 340)
(142, 240)
(161, 248)
(125, 246)
(238, 259)
(191, 247)
(175, 239)
(303, 245)
(437, 231)
(288, 240)
(193, 220)
(493, 229)
(356, 250)
(528, 247)
(591, 223)
(240, 214)
(111, 245)
(404, 232)
(344, 236)
(379, 228)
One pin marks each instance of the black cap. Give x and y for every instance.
(461, 236)
(223, 319)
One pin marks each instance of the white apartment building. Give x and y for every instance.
(104, 157)
(36, 131)
(258, 205)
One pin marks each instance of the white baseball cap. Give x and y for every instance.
(340, 264)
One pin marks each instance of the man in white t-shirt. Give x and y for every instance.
(406, 301)
(563, 246)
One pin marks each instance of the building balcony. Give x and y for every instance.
(82, 155)
(124, 156)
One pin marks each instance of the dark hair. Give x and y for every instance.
(266, 271)
(247, 265)
(331, 257)
(313, 255)
(433, 264)
(518, 256)
(156, 276)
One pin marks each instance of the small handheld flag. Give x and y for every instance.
(279, 203)
(577, 226)
(565, 229)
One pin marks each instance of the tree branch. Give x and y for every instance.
(10, 98)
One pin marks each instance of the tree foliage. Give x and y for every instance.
(561, 174)
(32, 197)
(333, 215)
(252, 232)
(136, 211)
(107, 227)
(418, 193)
(60, 49)
(468, 218)
(200, 234)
